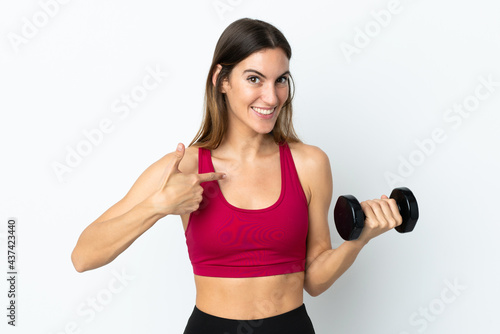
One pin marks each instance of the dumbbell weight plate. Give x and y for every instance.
(408, 208)
(348, 209)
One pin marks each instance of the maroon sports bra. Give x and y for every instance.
(226, 241)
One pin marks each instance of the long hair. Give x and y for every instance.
(238, 41)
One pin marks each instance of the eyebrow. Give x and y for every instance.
(262, 75)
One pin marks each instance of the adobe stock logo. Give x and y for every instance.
(363, 37)
(454, 116)
(89, 309)
(223, 6)
(425, 315)
(94, 137)
(30, 28)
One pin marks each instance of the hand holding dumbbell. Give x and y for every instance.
(350, 219)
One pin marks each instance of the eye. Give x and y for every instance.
(253, 79)
(282, 80)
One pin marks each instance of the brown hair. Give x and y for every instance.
(238, 41)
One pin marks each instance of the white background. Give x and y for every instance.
(366, 111)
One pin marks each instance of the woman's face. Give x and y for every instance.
(256, 90)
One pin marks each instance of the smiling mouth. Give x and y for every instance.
(264, 111)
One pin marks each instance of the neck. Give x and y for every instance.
(246, 148)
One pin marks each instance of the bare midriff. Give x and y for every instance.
(251, 297)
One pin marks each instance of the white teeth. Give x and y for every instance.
(263, 111)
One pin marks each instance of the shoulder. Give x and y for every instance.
(309, 155)
(313, 167)
(153, 175)
(189, 163)
(150, 180)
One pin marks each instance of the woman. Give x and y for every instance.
(252, 197)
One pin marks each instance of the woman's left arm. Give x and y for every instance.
(325, 265)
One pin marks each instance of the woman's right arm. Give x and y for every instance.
(160, 190)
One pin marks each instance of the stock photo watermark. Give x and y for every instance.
(30, 27)
(222, 7)
(121, 107)
(452, 117)
(363, 37)
(97, 303)
(12, 274)
(425, 315)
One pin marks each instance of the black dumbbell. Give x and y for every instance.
(350, 219)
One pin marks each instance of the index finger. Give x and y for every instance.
(211, 176)
(395, 210)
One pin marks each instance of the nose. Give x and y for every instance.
(269, 94)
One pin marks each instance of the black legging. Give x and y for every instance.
(296, 321)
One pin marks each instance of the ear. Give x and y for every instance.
(216, 75)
